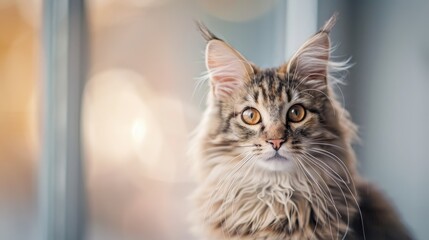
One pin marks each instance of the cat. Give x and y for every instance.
(274, 156)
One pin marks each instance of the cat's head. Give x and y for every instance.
(277, 118)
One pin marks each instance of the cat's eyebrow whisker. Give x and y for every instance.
(295, 70)
(302, 80)
(307, 94)
(328, 97)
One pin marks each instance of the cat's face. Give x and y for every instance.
(275, 118)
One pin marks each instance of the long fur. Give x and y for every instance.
(237, 198)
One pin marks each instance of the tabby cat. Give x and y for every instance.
(273, 152)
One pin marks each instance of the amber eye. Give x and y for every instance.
(296, 113)
(251, 116)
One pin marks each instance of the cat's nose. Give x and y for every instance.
(276, 143)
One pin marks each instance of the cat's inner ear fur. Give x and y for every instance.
(311, 61)
(227, 68)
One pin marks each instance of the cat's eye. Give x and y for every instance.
(251, 116)
(296, 113)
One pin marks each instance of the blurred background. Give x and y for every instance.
(140, 102)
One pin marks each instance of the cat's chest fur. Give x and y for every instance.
(248, 208)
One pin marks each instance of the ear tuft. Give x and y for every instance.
(311, 60)
(205, 32)
(227, 68)
(329, 24)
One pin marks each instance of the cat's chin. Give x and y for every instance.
(276, 162)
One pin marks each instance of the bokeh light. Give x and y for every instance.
(116, 119)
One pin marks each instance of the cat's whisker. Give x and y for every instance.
(233, 176)
(224, 149)
(243, 178)
(338, 160)
(315, 190)
(317, 184)
(352, 194)
(342, 192)
(220, 184)
(325, 211)
(233, 179)
(234, 170)
(334, 173)
(327, 187)
(326, 144)
(253, 145)
(317, 221)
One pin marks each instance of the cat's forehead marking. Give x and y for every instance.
(269, 92)
(269, 88)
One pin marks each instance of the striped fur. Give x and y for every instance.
(314, 192)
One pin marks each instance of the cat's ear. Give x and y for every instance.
(311, 60)
(228, 69)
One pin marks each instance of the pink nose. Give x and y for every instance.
(276, 143)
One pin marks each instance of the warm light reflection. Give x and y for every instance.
(116, 117)
(127, 126)
(174, 117)
(138, 131)
(33, 123)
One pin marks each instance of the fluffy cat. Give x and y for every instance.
(273, 152)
